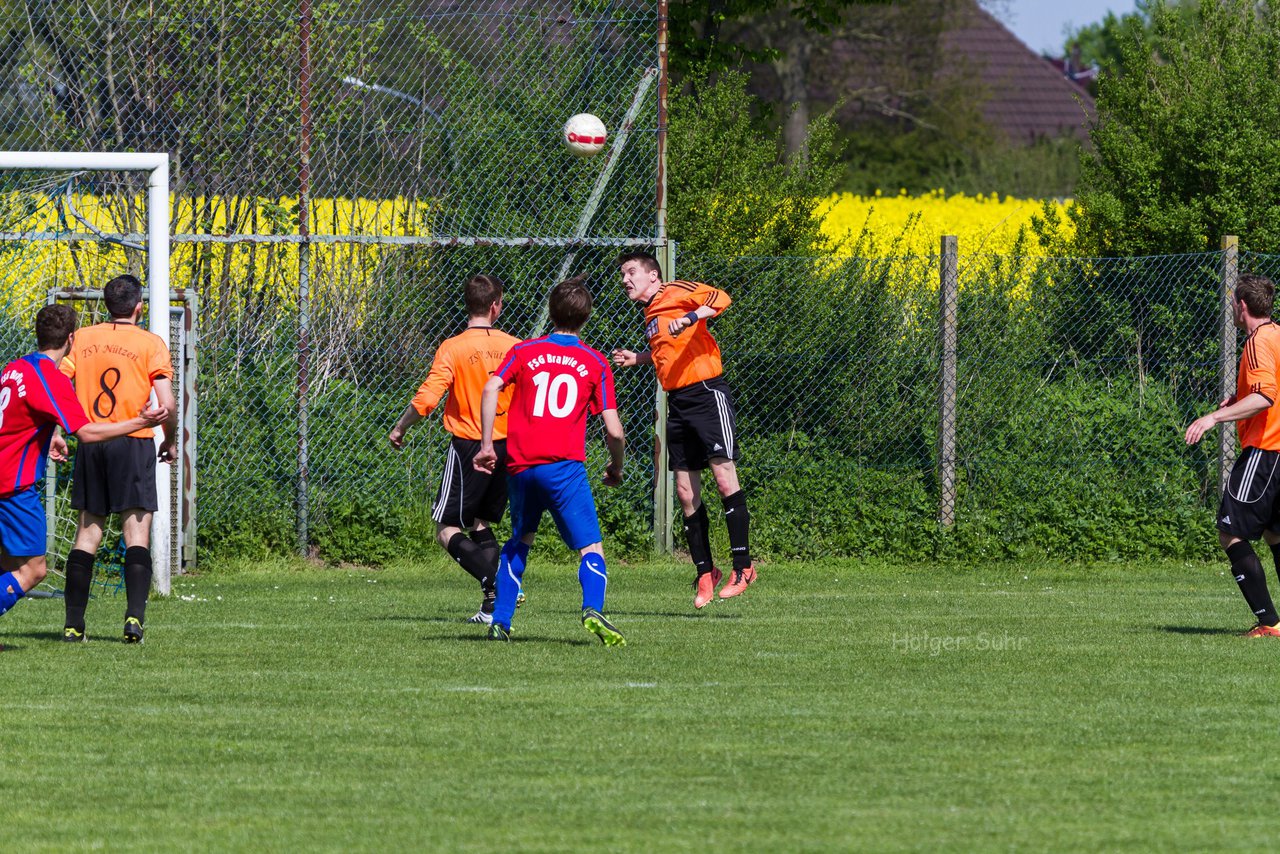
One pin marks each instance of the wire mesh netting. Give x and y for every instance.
(1074, 379)
(339, 170)
(429, 118)
(39, 269)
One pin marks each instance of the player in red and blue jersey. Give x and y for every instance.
(35, 399)
(558, 381)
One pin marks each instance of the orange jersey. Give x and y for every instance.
(461, 367)
(1258, 366)
(693, 355)
(113, 366)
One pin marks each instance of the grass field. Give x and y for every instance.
(834, 707)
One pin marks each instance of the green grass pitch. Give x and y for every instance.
(836, 706)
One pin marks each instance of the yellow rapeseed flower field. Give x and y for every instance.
(905, 225)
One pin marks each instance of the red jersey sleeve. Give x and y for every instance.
(55, 398)
(605, 397)
(509, 370)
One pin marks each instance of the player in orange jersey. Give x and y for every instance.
(1250, 506)
(116, 366)
(468, 498)
(700, 418)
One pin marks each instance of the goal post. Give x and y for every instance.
(156, 165)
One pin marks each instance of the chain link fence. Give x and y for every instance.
(339, 170)
(1058, 434)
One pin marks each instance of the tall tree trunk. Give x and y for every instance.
(795, 46)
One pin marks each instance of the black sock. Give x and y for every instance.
(76, 594)
(1253, 582)
(471, 558)
(488, 544)
(137, 581)
(695, 534)
(738, 521)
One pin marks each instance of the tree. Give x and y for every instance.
(730, 192)
(1187, 142)
(1099, 44)
(713, 35)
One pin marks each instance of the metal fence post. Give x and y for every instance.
(663, 485)
(303, 523)
(1226, 372)
(948, 285)
(663, 482)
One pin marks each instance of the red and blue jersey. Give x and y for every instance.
(558, 382)
(34, 398)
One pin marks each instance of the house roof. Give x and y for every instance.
(1028, 97)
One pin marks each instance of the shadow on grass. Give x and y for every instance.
(518, 639)
(397, 618)
(678, 615)
(1198, 630)
(33, 634)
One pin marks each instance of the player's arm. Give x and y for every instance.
(408, 418)
(1248, 406)
(433, 388)
(163, 388)
(702, 303)
(486, 459)
(1261, 367)
(617, 445)
(630, 358)
(149, 417)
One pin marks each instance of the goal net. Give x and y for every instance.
(68, 224)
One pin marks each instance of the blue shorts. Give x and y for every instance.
(561, 488)
(22, 524)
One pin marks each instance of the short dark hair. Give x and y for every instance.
(570, 304)
(122, 295)
(481, 292)
(54, 324)
(645, 258)
(1258, 293)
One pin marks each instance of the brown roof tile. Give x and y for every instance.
(1028, 98)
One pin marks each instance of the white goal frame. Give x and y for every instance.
(157, 168)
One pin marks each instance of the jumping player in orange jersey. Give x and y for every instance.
(700, 419)
(116, 366)
(468, 498)
(1250, 506)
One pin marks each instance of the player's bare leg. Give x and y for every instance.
(136, 527)
(594, 578)
(511, 566)
(698, 537)
(20, 575)
(738, 521)
(1252, 580)
(89, 534)
(476, 561)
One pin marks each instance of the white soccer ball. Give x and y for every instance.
(584, 135)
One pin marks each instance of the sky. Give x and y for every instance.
(1041, 23)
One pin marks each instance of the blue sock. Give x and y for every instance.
(510, 572)
(10, 591)
(594, 578)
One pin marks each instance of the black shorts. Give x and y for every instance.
(115, 476)
(1250, 500)
(467, 494)
(700, 425)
